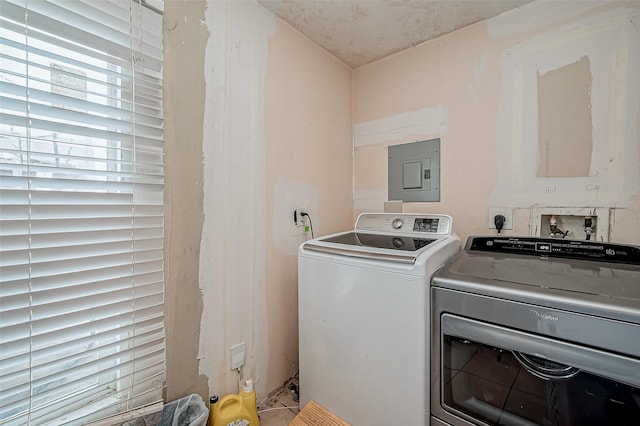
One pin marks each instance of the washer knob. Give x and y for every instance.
(397, 223)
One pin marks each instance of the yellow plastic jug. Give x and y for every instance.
(213, 409)
(238, 410)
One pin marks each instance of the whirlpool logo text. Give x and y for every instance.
(547, 316)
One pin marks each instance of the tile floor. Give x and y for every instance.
(281, 407)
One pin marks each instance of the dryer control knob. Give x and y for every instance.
(397, 223)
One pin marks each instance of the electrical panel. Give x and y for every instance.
(414, 171)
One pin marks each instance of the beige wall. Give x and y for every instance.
(184, 43)
(476, 89)
(308, 166)
(258, 122)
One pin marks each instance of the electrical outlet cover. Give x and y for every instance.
(508, 217)
(237, 355)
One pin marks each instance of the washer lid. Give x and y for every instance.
(391, 242)
(395, 248)
(395, 237)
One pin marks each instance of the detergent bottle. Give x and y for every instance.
(238, 410)
(213, 408)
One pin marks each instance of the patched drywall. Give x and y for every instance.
(232, 250)
(564, 96)
(277, 134)
(184, 41)
(486, 79)
(610, 38)
(290, 195)
(397, 128)
(371, 140)
(256, 116)
(308, 133)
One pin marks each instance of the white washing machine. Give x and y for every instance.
(363, 307)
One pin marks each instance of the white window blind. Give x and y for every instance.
(81, 210)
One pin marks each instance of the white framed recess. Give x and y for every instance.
(571, 220)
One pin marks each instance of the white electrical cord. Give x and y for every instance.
(278, 408)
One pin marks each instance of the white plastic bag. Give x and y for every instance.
(187, 411)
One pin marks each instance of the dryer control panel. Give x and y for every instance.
(557, 247)
(403, 223)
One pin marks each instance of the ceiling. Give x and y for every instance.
(362, 31)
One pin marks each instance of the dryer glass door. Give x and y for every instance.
(487, 377)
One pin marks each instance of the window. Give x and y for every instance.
(81, 210)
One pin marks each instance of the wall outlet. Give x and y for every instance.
(297, 218)
(237, 355)
(508, 218)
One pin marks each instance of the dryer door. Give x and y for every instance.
(500, 376)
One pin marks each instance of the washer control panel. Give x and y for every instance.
(405, 223)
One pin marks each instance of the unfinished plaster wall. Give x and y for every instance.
(184, 42)
(308, 166)
(565, 150)
(277, 133)
(232, 251)
(476, 89)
